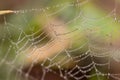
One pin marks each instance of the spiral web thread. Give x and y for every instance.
(24, 42)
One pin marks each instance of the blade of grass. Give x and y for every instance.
(2, 12)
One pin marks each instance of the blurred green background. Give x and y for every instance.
(84, 22)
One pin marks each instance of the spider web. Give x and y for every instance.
(65, 43)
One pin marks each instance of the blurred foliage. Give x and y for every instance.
(91, 22)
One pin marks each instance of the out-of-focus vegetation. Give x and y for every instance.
(89, 22)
